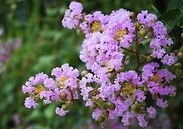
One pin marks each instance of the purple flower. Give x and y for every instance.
(169, 59)
(30, 102)
(47, 96)
(146, 18)
(121, 28)
(159, 53)
(39, 78)
(140, 96)
(50, 84)
(161, 103)
(66, 76)
(95, 22)
(100, 50)
(60, 111)
(141, 120)
(72, 15)
(96, 114)
(148, 70)
(151, 111)
(126, 118)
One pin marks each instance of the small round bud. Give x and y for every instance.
(63, 96)
(148, 58)
(64, 107)
(180, 54)
(84, 72)
(178, 65)
(145, 88)
(142, 32)
(111, 106)
(133, 107)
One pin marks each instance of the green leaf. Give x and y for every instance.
(171, 18)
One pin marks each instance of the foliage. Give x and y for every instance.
(46, 44)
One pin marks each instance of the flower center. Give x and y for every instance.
(62, 81)
(38, 90)
(128, 89)
(120, 34)
(155, 78)
(108, 67)
(96, 26)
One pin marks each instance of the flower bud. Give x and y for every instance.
(84, 72)
(111, 106)
(180, 55)
(133, 107)
(178, 65)
(148, 58)
(64, 107)
(63, 96)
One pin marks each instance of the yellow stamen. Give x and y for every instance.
(108, 67)
(128, 89)
(120, 33)
(62, 81)
(96, 26)
(38, 90)
(153, 21)
(155, 78)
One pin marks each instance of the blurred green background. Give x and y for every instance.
(44, 44)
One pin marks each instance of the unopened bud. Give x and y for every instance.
(182, 35)
(69, 103)
(142, 32)
(148, 58)
(63, 96)
(64, 107)
(111, 106)
(180, 55)
(178, 65)
(84, 72)
(133, 107)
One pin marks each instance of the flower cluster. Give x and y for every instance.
(63, 88)
(127, 80)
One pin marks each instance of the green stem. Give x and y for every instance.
(128, 50)
(137, 50)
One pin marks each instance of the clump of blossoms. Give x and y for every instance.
(128, 57)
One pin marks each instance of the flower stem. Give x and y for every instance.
(137, 49)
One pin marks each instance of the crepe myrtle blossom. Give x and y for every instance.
(95, 22)
(62, 87)
(72, 15)
(127, 72)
